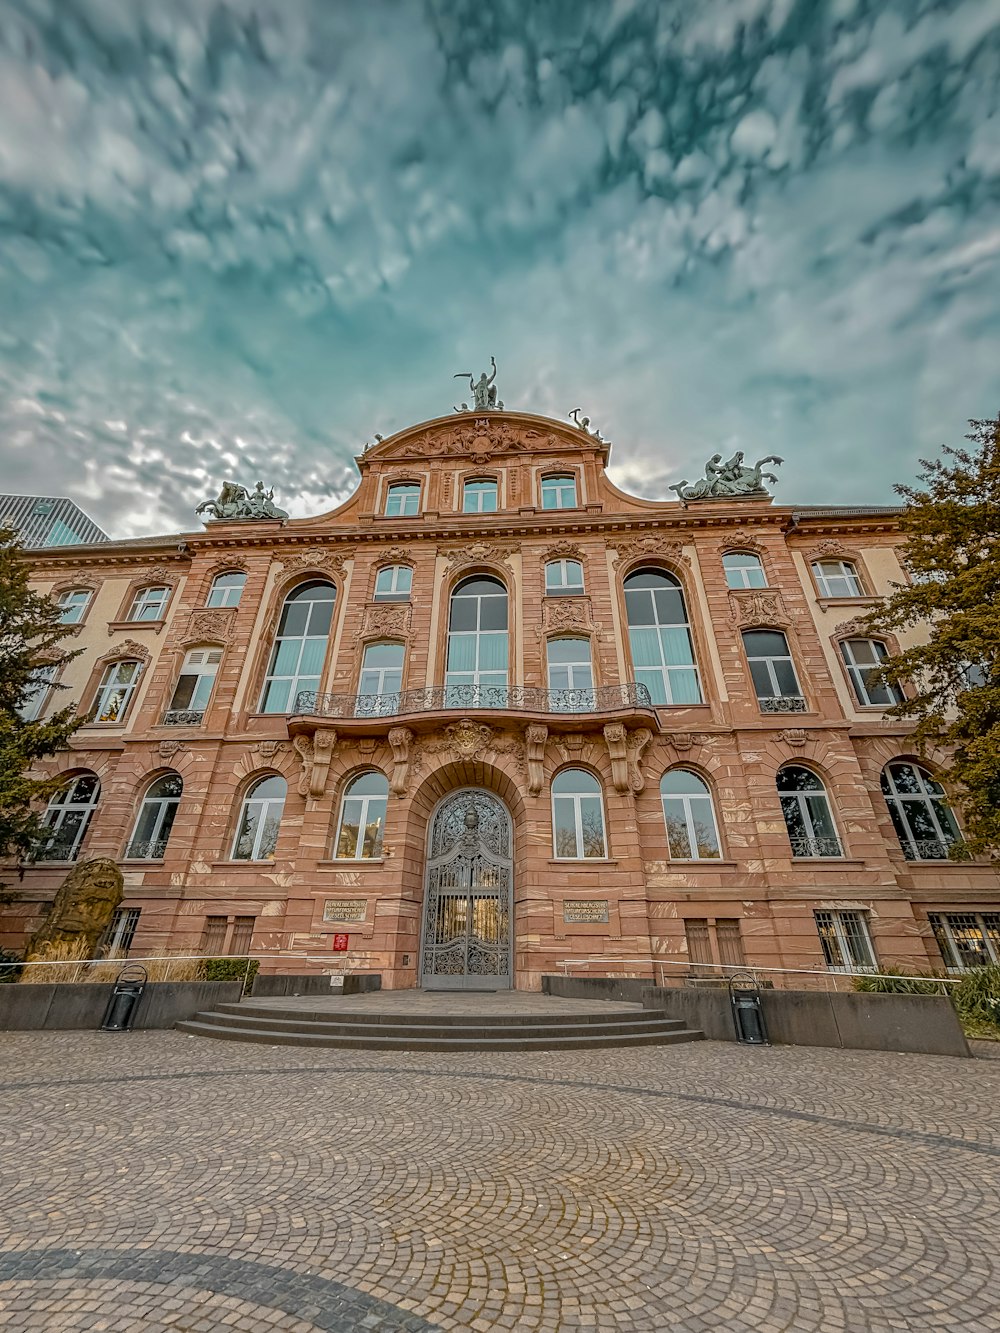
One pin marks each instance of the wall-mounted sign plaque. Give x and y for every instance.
(585, 909)
(345, 909)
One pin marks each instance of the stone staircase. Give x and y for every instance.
(323, 1025)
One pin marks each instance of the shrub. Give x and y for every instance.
(231, 969)
(977, 1000)
(895, 981)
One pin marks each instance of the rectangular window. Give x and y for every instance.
(837, 578)
(558, 492)
(479, 497)
(194, 686)
(240, 940)
(772, 671)
(861, 657)
(381, 680)
(847, 945)
(114, 694)
(149, 604)
(117, 939)
(34, 703)
(563, 578)
(393, 584)
(402, 500)
(72, 606)
(571, 675)
(967, 939)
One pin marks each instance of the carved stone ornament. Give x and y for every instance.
(848, 628)
(535, 737)
(826, 550)
(156, 574)
(315, 753)
(385, 619)
(728, 481)
(467, 739)
(615, 738)
(477, 437)
(127, 648)
(478, 553)
(268, 749)
(636, 745)
(629, 548)
(567, 613)
(793, 736)
(400, 740)
(751, 607)
(327, 559)
(562, 551)
(396, 555)
(167, 749)
(682, 741)
(211, 624)
(742, 539)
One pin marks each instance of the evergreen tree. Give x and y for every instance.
(30, 648)
(952, 551)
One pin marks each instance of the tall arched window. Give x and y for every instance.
(571, 675)
(362, 818)
(155, 819)
(68, 816)
(660, 638)
(114, 694)
(477, 644)
(808, 817)
(743, 570)
(260, 819)
(577, 815)
(692, 833)
(920, 812)
(227, 589)
(381, 680)
(300, 647)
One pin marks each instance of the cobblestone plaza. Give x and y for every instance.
(155, 1181)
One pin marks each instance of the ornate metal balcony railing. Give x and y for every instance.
(783, 703)
(146, 851)
(506, 698)
(56, 850)
(183, 717)
(806, 847)
(927, 849)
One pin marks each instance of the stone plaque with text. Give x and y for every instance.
(579, 910)
(345, 909)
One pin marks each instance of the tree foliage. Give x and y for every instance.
(952, 551)
(31, 639)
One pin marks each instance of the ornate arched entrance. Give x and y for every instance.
(466, 939)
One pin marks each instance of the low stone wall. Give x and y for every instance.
(853, 1020)
(63, 1006)
(358, 983)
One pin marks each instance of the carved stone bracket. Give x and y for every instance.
(651, 545)
(478, 553)
(385, 620)
(757, 606)
(683, 741)
(793, 736)
(616, 739)
(167, 749)
(400, 740)
(315, 752)
(535, 736)
(211, 624)
(567, 613)
(636, 743)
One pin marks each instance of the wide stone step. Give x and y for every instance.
(254, 1010)
(484, 1039)
(389, 1026)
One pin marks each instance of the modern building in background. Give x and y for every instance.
(492, 718)
(49, 520)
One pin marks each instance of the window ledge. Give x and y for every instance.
(130, 625)
(141, 861)
(337, 863)
(583, 861)
(863, 600)
(702, 863)
(230, 864)
(832, 861)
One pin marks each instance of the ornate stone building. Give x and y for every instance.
(493, 714)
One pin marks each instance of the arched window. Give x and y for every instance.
(227, 589)
(393, 584)
(300, 647)
(577, 815)
(402, 499)
(73, 604)
(563, 578)
(806, 808)
(861, 656)
(68, 816)
(773, 671)
(477, 644)
(559, 492)
(149, 604)
(381, 680)
(837, 578)
(260, 818)
(660, 638)
(362, 818)
(744, 570)
(155, 819)
(479, 496)
(920, 812)
(194, 687)
(692, 833)
(571, 675)
(114, 694)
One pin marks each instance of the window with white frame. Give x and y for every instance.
(744, 570)
(559, 492)
(689, 815)
(227, 589)
(117, 939)
(837, 578)
(660, 637)
(577, 816)
(300, 646)
(393, 583)
(846, 940)
(967, 939)
(73, 604)
(563, 578)
(115, 692)
(149, 604)
(68, 817)
(381, 680)
(919, 810)
(808, 818)
(772, 671)
(194, 686)
(479, 496)
(476, 672)
(34, 701)
(402, 499)
(260, 819)
(155, 819)
(362, 818)
(862, 657)
(571, 675)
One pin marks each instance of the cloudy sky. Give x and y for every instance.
(236, 239)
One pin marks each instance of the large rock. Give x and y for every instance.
(80, 914)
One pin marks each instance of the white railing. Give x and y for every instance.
(721, 971)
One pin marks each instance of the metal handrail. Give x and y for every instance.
(505, 698)
(720, 968)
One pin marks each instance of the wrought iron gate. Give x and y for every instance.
(467, 913)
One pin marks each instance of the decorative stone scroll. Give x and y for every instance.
(385, 620)
(535, 737)
(650, 545)
(315, 753)
(636, 744)
(751, 607)
(167, 749)
(742, 539)
(400, 740)
(795, 736)
(562, 551)
(567, 613)
(478, 553)
(847, 628)
(268, 749)
(625, 750)
(127, 648)
(209, 625)
(826, 550)
(332, 561)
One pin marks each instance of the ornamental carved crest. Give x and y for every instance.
(127, 648)
(754, 607)
(478, 553)
(477, 437)
(385, 618)
(567, 613)
(742, 539)
(563, 551)
(467, 739)
(318, 557)
(630, 547)
(211, 624)
(827, 549)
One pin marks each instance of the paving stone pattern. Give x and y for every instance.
(160, 1182)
